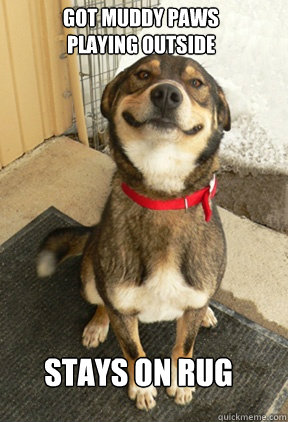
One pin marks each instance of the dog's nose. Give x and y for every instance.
(166, 97)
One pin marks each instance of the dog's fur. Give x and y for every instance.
(140, 264)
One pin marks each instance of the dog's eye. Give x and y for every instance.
(143, 75)
(196, 83)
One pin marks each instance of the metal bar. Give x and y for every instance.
(75, 85)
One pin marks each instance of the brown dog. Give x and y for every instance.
(166, 119)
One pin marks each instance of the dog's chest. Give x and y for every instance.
(164, 167)
(163, 296)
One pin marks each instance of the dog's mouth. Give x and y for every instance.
(159, 123)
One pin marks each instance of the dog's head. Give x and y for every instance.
(168, 109)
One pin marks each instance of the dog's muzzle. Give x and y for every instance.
(165, 98)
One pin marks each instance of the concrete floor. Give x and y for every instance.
(76, 180)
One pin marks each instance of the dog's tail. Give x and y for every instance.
(59, 245)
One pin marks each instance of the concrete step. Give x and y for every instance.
(258, 194)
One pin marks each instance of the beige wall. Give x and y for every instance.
(34, 82)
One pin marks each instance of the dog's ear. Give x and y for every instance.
(223, 111)
(109, 95)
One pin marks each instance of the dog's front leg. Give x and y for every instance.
(126, 329)
(187, 330)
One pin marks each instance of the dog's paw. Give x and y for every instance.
(210, 319)
(143, 396)
(183, 395)
(94, 334)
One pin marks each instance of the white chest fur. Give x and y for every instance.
(164, 296)
(164, 166)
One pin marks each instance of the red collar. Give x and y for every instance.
(202, 195)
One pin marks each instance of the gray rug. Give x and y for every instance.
(45, 318)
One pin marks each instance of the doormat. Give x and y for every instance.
(43, 318)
